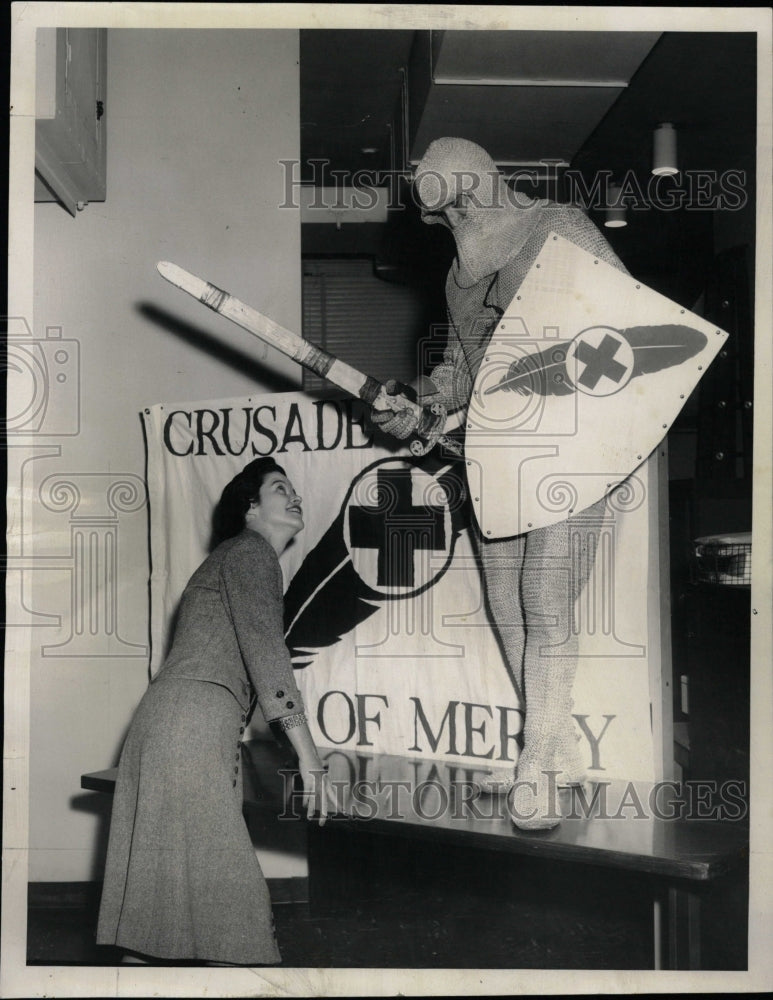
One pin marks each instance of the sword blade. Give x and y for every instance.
(325, 365)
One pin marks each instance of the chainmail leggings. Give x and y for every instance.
(532, 582)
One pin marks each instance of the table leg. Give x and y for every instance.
(657, 933)
(683, 928)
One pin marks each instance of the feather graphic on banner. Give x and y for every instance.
(328, 597)
(654, 348)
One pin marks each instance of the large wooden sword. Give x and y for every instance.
(430, 419)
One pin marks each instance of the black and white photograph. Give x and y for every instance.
(389, 448)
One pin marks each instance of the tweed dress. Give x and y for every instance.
(181, 879)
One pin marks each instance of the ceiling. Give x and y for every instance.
(350, 91)
(374, 99)
(521, 95)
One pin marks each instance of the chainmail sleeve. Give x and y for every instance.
(451, 376)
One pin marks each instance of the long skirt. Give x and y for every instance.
(182, 880)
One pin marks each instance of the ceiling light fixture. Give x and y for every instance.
(615, 213)
(664, 150)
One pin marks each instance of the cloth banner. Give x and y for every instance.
(386, 620)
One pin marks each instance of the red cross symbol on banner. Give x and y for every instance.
(396, 528)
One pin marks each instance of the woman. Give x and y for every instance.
(182, 881)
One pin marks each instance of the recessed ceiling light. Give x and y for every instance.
(369, 149)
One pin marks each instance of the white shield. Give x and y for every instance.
(582, 379)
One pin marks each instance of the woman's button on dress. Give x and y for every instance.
(291, 704)
(280, 694)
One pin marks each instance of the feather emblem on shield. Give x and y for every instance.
(582, 378)
(649, 348)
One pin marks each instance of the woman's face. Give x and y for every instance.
(278, 509)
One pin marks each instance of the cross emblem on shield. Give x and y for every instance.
(600, 361)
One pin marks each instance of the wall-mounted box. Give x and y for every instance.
(70, 105)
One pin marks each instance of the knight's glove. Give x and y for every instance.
(400, 423)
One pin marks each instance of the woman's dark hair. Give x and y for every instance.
(235, 500)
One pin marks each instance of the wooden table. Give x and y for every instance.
(616, 826)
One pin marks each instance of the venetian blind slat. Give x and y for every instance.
(368, 323)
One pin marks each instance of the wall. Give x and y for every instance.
(197, 122)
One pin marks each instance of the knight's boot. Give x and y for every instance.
(551, 757)
(534, 800)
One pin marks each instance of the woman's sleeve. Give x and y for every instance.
(251, 585)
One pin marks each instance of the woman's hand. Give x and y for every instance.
(317, 791)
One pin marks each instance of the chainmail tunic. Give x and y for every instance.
(532, 580)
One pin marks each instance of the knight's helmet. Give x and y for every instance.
(454, 167)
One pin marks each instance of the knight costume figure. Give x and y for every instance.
(532, 580)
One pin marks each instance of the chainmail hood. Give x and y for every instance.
(497, 222)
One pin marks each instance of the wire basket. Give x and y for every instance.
(723, 559)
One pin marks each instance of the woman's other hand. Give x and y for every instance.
(318, 792)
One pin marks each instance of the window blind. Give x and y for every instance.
(371, 324)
